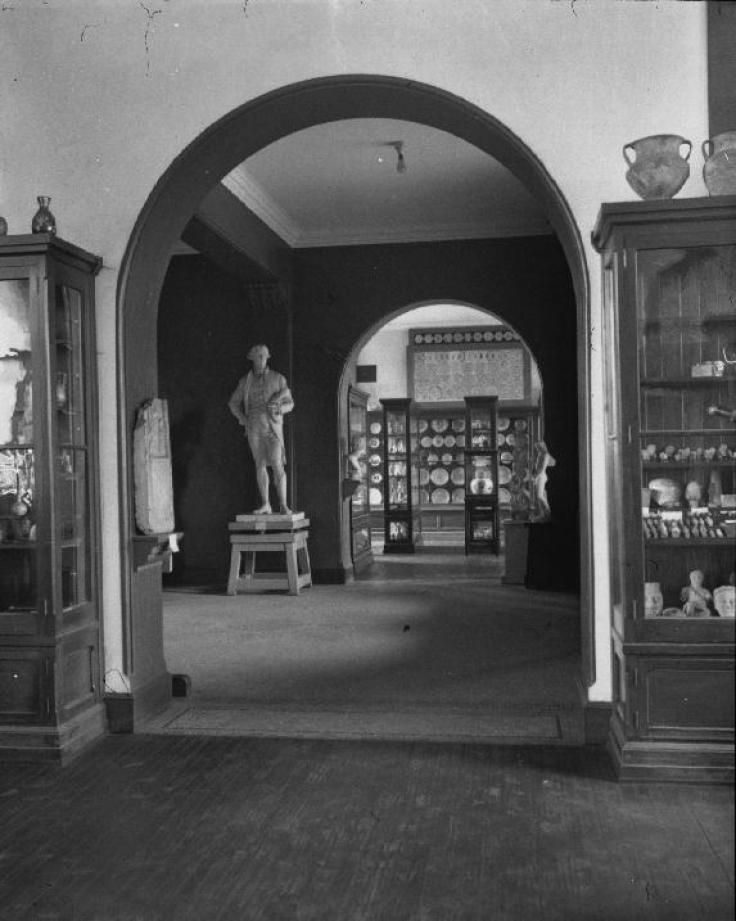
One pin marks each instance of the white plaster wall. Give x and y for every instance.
(99, 96)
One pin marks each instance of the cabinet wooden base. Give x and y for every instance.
(58, 744)
(680, 762)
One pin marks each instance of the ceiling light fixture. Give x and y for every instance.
(398, 146)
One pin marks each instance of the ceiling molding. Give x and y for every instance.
(426, 233)
(252, 195)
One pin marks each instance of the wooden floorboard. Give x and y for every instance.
(152, 828)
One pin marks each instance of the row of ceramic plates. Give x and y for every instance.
(440, 496)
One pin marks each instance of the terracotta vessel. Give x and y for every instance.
(719, 172)
(43, 220)
(657, 170)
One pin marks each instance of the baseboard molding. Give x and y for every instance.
(675, 762)
(120, 710)
(597, 715)
(54, 744)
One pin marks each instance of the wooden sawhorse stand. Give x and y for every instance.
(252, 534)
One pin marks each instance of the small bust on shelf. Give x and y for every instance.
(696, 597)
(259, 403)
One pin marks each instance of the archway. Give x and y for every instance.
(444, 313)
(211, 156)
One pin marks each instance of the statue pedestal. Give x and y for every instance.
(252, 534)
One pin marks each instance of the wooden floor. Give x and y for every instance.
(152, 828)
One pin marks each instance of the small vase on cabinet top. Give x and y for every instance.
(719, 171)
(658, 169)
(43, 220)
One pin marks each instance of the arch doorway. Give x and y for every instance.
(168, 210)
(401, 359)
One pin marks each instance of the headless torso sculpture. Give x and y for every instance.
(259, 403)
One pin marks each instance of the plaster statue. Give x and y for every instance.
(259, 403)
(695, 596)
(542, 460)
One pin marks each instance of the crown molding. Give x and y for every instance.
(252, 195)
(422, 233)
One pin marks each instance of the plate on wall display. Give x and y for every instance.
(374, 460)
(504, 475)
(440, 497)
(458, 425)
(423, 477)
(481, 486)
(375, 428)
(376, 496)
(439, 476)
(440, 425)
(502, 423)
(458, 476)
(460, 441)
(433, 458)
(450, 441)
(504, 496)
(458, 495)
(376, 477)
(374, 442)
(520, 425)
(422, 426)
(510, 439)
(425, 441)
(500, 439)
(438, 441)
(506, 457)
(446, 458)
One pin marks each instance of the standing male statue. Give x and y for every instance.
(259, 402)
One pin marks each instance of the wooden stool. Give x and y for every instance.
(251, 534)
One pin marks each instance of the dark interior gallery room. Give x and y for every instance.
(367, 460)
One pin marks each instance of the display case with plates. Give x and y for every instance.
(402, 520)
(361, 446)
(517, 430)
(481, 475)
(669, 272)
(50, 688)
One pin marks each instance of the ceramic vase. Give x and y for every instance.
(657, 169)
(653, 600)
(719, 171)
(43, 220)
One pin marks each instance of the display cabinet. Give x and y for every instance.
(360, 524)
(670, 370)
(481, 475)
(517, 431)
(375, 472)
(402, 521)
(50, 696)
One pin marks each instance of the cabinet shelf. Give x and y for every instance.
(688, 465)
(684, 383)
(688, 542)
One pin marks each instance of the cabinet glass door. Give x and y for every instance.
(687, 433)
(72, 448)
(18, 564)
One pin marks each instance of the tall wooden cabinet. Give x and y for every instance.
(401, 512)
(481, 475)
(669, 273)
(50, 694)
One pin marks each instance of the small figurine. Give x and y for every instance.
(695, 596)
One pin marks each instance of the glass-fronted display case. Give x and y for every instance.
(358, 474)
(49, 630)
(402, 521)
(481, 475)
(670, 369)
(517, 431)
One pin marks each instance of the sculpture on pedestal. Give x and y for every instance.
(259, 403)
